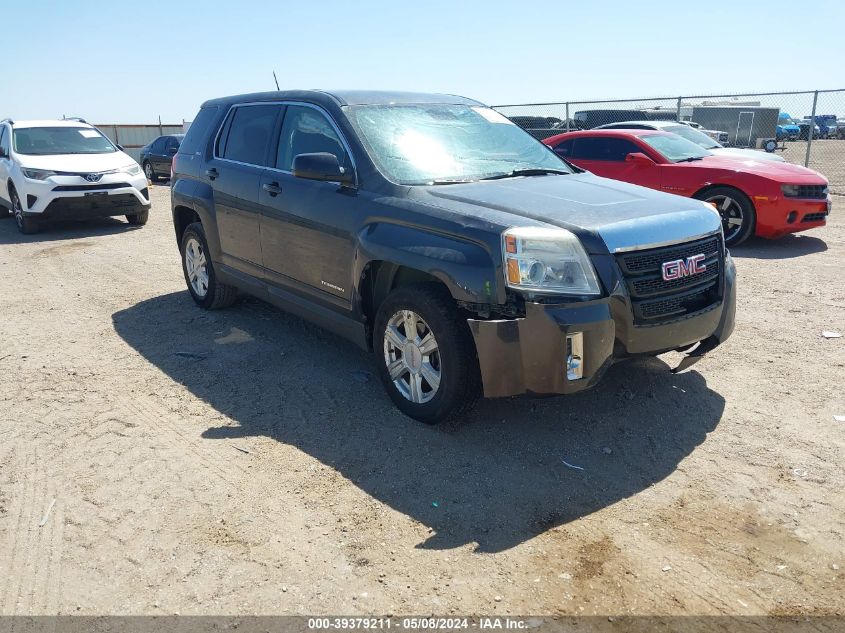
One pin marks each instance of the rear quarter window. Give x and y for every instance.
(564, 149)
(197, 136)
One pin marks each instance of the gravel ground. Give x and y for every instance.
(159, 459)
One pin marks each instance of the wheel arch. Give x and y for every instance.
(183, 216)
(391, 255)
(381, 277)
(718, 185)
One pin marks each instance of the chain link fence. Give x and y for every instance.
(806, 128)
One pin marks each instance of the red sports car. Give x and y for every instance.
(764, 197)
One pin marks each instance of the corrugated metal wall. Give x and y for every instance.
(133, 137)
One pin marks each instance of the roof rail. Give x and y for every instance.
(74, 118)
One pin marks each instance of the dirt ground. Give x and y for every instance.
(826, 156)
(159, 459)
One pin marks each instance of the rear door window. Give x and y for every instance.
(249, 132)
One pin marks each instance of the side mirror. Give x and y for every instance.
(321, 166)
(639, 158)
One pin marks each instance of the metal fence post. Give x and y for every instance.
(810, 129)
(567, 116)
(678, 110)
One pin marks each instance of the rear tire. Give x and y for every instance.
(138, 219)
(199, 273)
(439, 379)
(149, 172)
(739, 219)
(26, 225)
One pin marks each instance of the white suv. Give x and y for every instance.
(67, 169)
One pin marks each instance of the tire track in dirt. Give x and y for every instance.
(32, 550)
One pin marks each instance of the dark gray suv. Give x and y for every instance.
(435, 232)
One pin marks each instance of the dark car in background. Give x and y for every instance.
(157, 156)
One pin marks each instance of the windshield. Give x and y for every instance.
(421, 144)
(674, 148)
(699, 138)
(44, 141)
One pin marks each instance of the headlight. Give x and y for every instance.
(133, 170)
(38, 174)
(794, 191)
(547, 260)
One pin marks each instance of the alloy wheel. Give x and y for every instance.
(732, 215)
(412, 356)
(196, 267)
(17, 209)
(148, 171)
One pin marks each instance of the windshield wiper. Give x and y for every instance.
(529, 172)
(690, 159)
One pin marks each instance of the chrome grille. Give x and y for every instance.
(656, 300)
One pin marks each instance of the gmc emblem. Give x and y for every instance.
(679, 268)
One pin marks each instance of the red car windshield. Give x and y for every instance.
(674, 148)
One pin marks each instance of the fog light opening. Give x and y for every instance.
(791, 217)
(575, 356)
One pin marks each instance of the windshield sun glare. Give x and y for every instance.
(423, 144)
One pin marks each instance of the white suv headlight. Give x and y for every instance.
(547, 260)
(38, 174)
(133, 170)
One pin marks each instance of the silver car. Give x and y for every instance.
(696, 136)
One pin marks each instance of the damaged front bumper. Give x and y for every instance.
(539, 353)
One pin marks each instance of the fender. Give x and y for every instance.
(199, 197)
(466, 268)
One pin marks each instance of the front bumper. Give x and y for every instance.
(72, 197)
(779, 216)
(94, 206)
(529, 355)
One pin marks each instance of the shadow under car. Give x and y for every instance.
(497, 480)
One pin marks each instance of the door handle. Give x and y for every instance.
(272, 188)
(212, 173)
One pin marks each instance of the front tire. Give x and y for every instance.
(425, 354)
(739, 219)
(25, 224)
(202, 282)
(138, 219)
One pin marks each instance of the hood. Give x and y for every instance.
(735, 152)
(621, 215)
(82, 163)
(789, 126)
(779, 171)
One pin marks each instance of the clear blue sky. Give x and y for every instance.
(129, 62)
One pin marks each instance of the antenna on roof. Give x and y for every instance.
(276, 80)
